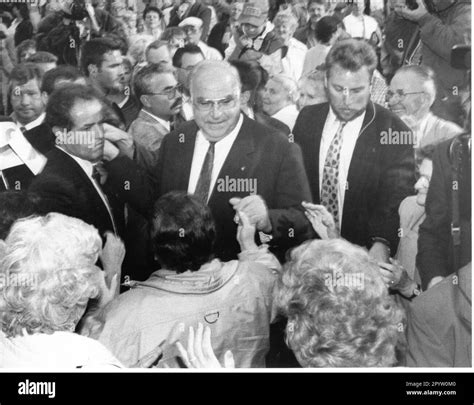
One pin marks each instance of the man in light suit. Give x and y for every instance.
(160, 95)
(229, 161)
(360, 179)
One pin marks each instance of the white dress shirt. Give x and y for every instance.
(88, 168)
(33, 124)
(222, 149)
(292, 63)
(350, 134)
(287, 115)
(360, 27)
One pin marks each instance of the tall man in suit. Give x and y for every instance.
(357, 177)
(229, 161)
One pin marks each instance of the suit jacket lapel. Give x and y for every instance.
(317, 125)
(361, 162)
(185, 155)
(76, 172)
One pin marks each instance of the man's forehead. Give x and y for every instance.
(191, 59)
(113, 57)
(337, 73)
(163, 80)
(32, 84)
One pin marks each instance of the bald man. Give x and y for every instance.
(229, 161)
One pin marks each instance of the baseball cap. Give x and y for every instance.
(255, 12)
(191, 21)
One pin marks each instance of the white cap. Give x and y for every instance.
(193, 21)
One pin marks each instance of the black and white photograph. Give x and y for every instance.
(278, 187)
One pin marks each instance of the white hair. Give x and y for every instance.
(49, 274)
(289, 84)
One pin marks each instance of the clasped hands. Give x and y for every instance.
(255, 209)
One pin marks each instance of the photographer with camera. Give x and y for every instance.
(442, 24)
(62, 32)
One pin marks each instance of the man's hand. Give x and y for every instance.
(255, 209)
(199, 353)
(246, 233)
(110, 151)
(122, 140)
(413, 15)
(112, 256)
(380, 252)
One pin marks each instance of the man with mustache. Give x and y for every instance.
(357, 177)
(159, 93)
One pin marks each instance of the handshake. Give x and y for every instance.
(251, 215)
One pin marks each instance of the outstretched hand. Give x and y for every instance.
(199, 353)
(321, 220)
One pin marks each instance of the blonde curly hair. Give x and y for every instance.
(48, 273)
(339, 311)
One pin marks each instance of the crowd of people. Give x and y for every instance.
(229, 183)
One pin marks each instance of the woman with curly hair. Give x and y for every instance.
(47, 277)
(339, 310)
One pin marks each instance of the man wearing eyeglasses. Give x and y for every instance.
(357, 177)
(229, 161)
(412, 93)
(159, 93)
(192, 27)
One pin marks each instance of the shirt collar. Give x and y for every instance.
(33, 124)
(123, 102)
(229, 138)
(332, 117)
(161, 121)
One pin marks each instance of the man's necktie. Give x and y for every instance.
(204, 182)
(330, 183)
(96, 174)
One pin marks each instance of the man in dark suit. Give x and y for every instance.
(68, 183)
(356, 167)
(28, 103)
(229, 161)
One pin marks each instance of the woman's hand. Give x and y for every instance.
(199, 353)
(321, 220)
(112, 256)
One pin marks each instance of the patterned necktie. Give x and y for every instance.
(204, 182)
(329, 187)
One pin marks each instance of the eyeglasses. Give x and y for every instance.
(190, 28)
(400, 93)
(170, 93)
(223, 104)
